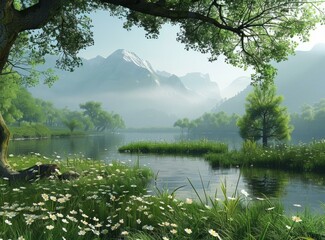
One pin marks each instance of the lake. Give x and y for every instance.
(174, 172)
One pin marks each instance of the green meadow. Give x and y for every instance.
(118, 201)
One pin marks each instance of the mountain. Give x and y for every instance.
(300, 80)
(235, 87)
(201, 84)
(130, 86)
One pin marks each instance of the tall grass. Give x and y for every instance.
(181, 148)
(111, 201)
(302, 157)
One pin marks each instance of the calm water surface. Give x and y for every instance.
(173, 172)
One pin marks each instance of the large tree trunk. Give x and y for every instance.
(12, 22)
(29, 174)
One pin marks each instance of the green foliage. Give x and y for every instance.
(184, 147)
(72, 124)
(264, 118)
(182, 123)
(9, 85)
(27, 105)
(109, 201)
(310, 122)
(218, 124)
(300, 158)
(101, 119)
(248, 33)
(30, 131)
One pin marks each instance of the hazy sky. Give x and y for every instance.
(165, 53)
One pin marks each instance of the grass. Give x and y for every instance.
(111, 201)
(177, 148)
(40, 131)
(300, 158)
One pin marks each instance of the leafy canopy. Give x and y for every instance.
(249, 33)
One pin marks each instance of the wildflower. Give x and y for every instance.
(138, 221)
(99, 177)
(188, 231)
(53, 217)
(214, 234)
(82, 232)
(29, 221)
(65, 220)
(21, 238)
(165, 238)
(49, 227)
(73, 212)
(11, 155)
(243, 191)
(189, 201)
(173, 225)
(62, 200)
(8, 222)
(125, 233)
(64, 229)
(296, 219)
(53, 198)
(270, 208)
(149, 228)
(288, 227)
(173, 231)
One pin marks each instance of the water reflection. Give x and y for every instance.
(263, 182)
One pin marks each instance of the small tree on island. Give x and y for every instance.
(264, 118)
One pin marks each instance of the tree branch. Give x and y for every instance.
(159, 10)
(37, 15)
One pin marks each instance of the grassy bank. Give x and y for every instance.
(178, 148)
(40, 131)
(111, 202)
(303, 157)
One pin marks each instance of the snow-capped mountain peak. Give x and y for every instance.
(133, 58)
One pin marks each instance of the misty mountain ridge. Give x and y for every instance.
(130, 86)
(300, 80)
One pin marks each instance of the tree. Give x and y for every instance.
(247, 32)
(182, 124)
(9, 85)
(72, 124)
(102, 120)
(26, 104)
(264, 118)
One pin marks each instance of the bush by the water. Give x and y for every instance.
(111, 201)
